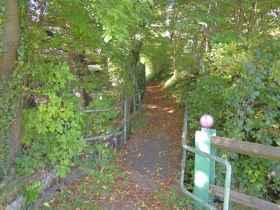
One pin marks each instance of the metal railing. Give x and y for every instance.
(206, 140)
(206, 155)
(136, 100)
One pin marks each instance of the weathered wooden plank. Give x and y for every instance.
(246, 200)
(248, 148)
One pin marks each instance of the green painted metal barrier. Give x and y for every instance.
(204, 166)
(206, 144)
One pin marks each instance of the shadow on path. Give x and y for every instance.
(152, 155)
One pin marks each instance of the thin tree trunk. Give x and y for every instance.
(174, 40)
(207, 31)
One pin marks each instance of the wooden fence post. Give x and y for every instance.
(204, 171)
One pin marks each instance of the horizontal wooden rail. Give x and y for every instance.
(246, 200)
(247, 148)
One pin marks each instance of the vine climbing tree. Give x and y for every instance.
(10, 99)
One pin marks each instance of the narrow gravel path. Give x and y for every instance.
(152, 155)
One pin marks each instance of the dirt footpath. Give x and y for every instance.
(152, 155)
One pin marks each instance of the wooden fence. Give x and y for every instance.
(251, 149)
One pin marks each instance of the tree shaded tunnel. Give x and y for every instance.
(63, 63)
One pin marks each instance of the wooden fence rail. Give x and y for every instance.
(247, 148)
(243, 199)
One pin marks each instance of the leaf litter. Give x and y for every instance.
(152, 155)
(150, 162)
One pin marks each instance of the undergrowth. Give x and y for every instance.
(174, 199)
(139, 122)
(93, 188)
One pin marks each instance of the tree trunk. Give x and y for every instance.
(174, 39)
(207, 31)
(11, 40)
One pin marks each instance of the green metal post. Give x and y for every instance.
(204, 167)
(125, 121)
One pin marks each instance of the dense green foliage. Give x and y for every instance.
(222, 58)
(73, 56)
(218, 57)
